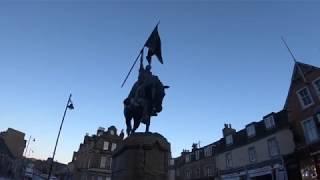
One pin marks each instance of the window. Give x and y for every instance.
(171, 162)
(252, 154)
(316, 85)
(188, 174)
(177, 172)
(310, 130)
(318, 116)
(228, 160)
(188, 158)
(269, 122)
(99, 178)
(208, 151)
(105, 145)
(251, 131)
(208, 171)
(273, 147)
(229, 139)
(103, 162)
(89, 163)
(84, 177)
(305, 97)
(112, 132)
(198, 172)
(197, 155)
(114, 146)
(108, 178)
(108, 163)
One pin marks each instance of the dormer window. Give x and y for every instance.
(316, 84)
(112, 132)
(251, 131)
(305, 97)
(269, 122)
(229, 139)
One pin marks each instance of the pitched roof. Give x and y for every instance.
(4, 148)
(297, 75)
(305, 68)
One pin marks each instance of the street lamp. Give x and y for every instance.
(68, 106)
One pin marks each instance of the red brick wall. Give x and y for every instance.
(296, 112)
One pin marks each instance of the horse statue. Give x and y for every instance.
(147, 103)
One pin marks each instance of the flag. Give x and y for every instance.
(154, 45)
(70, 104)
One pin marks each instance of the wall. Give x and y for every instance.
(240, 156)
(15, 141)
(296, 113)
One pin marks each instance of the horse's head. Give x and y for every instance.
(158, 95)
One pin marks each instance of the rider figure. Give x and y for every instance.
(145, 76)
(138, 94)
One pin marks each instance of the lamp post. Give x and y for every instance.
(68, 106)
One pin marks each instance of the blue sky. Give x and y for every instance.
(224, 61)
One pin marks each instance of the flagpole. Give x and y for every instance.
(55, 147)
(135, 62)
(294, 59)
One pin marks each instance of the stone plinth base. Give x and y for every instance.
(141, 156)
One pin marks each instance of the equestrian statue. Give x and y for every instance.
(146, 95)
(144, 100)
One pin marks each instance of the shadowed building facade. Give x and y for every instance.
(6, 159)
(15, 141)
(259, 151)
(303, 106)
(197, 164)
(94, 158)
(12, 145)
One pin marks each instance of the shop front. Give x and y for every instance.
(261, 171)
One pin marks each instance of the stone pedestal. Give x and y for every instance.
(141, 156)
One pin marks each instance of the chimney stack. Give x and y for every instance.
(227, 130)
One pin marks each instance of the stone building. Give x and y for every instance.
(12, 145)
(15, 141)
(303, 106)
(259, 151)
(6, 160)
(198, 164)
(93, 159)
